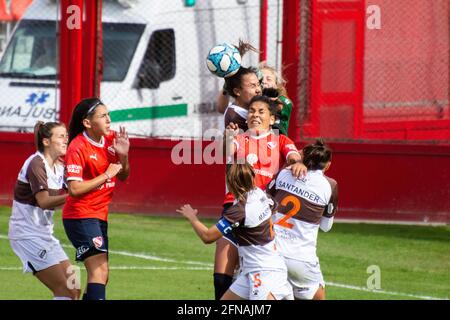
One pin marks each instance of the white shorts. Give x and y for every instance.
(259, 284)
(305, 278)
(37, 254)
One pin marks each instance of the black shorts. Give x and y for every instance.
(88, 236)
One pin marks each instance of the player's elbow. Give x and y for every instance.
(207, 239)
(44, 204)
(74, 191)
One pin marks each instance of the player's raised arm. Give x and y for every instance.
(207, 235)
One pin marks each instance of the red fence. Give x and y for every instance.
(374, 70)
(376, 182)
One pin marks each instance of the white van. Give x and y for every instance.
(155, 80)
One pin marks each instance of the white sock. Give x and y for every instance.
(62, 298)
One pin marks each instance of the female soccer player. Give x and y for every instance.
(305, 206)
(267, 153)
(38, 191)
(263, 273)
(273, 85)
(242, 86)
(96, 155)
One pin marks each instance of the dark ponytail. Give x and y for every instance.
(245, 47)
(84, 109)
(44, 131)
(316, 155)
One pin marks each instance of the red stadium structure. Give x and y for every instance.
(379, 177)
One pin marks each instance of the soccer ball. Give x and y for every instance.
(223, 60)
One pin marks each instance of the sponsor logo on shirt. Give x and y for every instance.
(73, 168)
(93, 156)
(271, 145)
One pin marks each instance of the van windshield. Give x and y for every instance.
(32, 51)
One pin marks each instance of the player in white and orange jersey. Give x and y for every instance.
(305, 205)
(263, 272)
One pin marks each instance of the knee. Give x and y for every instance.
(99, 275)
(320, 294)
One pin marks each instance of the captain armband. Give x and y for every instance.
(225, 227)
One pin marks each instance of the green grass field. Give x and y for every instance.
(161, 258)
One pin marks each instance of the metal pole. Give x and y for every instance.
(92, 49)
(263, 31)
(291, 58)
(71, 56)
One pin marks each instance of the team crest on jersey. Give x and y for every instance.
(98, 241)
(111, 150)
(252, 158)
(271, 145)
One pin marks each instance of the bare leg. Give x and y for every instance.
(97, 268)
(226, 257)
(55, 279)
(320, 294)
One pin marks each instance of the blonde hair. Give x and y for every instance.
(240, 180)
(279, 80)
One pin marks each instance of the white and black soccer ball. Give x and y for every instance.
(223, 60)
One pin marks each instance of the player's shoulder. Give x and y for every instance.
(333, 183)
(284, 140)
(77, 143)
(36, 161)
(285, 100)
(35, 165)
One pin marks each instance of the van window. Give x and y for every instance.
(32, 51)
(162, 49)
(119, 44)
(159, 62)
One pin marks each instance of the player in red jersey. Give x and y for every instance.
(96, 155)
(267, 152)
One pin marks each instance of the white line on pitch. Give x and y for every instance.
(140, 255)
(382, 291)
(209, 266)
(130, 268)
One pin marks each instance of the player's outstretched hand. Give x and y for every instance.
(121, 143)
(187, 211)
(298, 170)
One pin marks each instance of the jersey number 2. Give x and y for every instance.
(295, 208)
